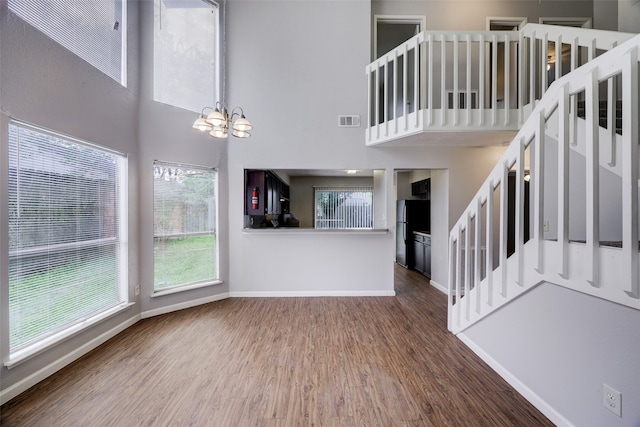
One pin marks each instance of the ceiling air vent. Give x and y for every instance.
(349, 121)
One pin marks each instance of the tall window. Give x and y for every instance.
(344, 207)
(186, 54)
(95, 30)
(67, 254)
(184, 224)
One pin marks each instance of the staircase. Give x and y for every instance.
(535, 219)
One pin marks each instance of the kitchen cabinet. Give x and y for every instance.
(422, 188)
(273, 193)
(422, 253)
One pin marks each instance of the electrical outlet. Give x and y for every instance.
(612, 399)
(137, 290)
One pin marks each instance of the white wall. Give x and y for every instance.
(294, 110)
(628, 16)
(563, 345)
(165, 134)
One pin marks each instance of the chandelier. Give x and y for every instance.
(218, 122)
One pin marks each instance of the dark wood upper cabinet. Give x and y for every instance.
(273, 193)
(422, 188)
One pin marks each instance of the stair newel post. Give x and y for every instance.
(630, 112)
(507, 79)
(519, 204)
(489, 250)
(504, 212)
(537, 177)
(563, 178)
(592, 151)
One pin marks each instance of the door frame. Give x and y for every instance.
(516, 21)
(420, 20)
(578, 22)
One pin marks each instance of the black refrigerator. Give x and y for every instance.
(411, 215)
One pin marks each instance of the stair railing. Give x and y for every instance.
(494, 257)
(472, 80)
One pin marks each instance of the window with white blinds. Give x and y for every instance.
(343, 207)
(67, 259)
(186, 55)
(95, 30)
(184, 224)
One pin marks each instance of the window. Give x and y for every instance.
(184, 224)
(186, 53)
(93, 30)
(67, 249)
(346, 207)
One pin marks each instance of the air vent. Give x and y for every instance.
(462, 100)
(349, 121)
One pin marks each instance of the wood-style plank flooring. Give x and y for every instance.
(352, 361)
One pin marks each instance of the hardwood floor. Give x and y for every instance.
(385, 361)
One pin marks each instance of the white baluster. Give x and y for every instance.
(563, 179)
(630, 172)
(592, 151)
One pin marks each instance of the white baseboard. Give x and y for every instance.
(520, 387)
(28, 382)
(438, 286)
(281, 294)
(183, 305)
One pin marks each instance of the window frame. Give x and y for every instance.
(121, 25)
(158, 292)
(339, 189)
(54, 337)
(216, 94)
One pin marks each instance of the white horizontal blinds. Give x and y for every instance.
(185, 53)
(343, 207)
(64, 205)
(184, 223)
(94, 30)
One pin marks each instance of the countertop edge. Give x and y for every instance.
(274, 231)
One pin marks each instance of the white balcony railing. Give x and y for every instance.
(522, 214)
(468, 81)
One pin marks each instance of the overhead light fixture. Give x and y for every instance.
(218, 122)
(352, 171)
